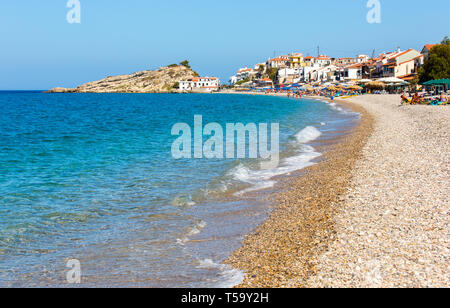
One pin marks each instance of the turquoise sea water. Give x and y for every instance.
(91, 177)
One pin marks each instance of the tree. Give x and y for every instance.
(446, 40)
(242, 81)
(438, 64)
(185, 63)
(413, 84)
(273, 74)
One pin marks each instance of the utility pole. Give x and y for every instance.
(318, 51)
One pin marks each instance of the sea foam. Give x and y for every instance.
(193, 231)
(308, 134)
(228, 277)
(263, 179)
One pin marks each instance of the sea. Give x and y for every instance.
(90, 180)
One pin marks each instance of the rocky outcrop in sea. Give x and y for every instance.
(162, 80)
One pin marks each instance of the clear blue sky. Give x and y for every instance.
(40, 50)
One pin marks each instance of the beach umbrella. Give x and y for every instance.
(375, 85)
(437, 82)
(332, 88)
(391, 80)
(355, 87)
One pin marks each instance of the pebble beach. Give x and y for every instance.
(372, 213)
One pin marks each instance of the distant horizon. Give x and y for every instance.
(42, 50)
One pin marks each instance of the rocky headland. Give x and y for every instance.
(162, 80)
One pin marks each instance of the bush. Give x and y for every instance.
(438, 64)
(242, 81)
(273, 74)
(185, 63)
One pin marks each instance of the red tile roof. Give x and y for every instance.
(322, 57)
(402, 53)
(245, 70)
(355, 65)
(429, 46)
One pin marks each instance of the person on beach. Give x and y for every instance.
(415, 99)
(444, 98)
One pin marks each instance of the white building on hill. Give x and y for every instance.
(243, 74)
(200, 84)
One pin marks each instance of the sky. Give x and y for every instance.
(40, 50)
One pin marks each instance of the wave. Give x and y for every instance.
(262, 179)
(181, 201)
(193, 231)
(228, 277)
(336, 107)
(340, 109)
(308, 134)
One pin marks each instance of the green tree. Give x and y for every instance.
(242, 81)
(438, 64)
(413, 84)
(185, 63)
(446, 40)
(273, 74)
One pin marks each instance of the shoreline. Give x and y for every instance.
(373, 213)
(278, 252)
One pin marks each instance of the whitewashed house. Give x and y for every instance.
(362, 58)
(279, 62)
(402, 64)
(353, 72)
(323, 60)
(290, 75)
(243, 74)
(200, 84)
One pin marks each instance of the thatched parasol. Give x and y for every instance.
(375, 85)
(355, 87)
(332, 88)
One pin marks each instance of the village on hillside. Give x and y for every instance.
(399, 66)
(394, 72)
